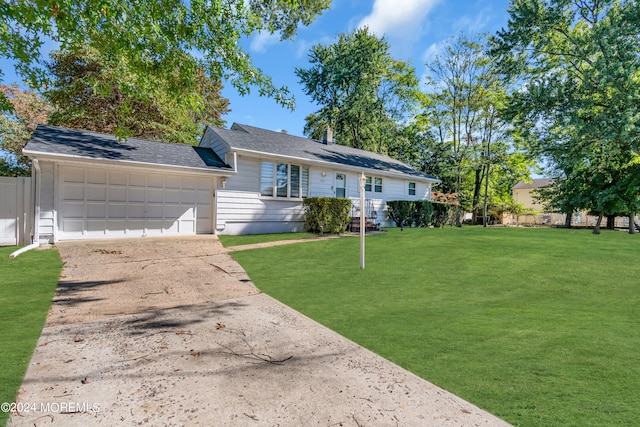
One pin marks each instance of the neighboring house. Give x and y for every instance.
(238, 181)
(523, 193)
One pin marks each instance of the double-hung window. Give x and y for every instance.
(373, 184)
(284, 180)
(412, 188)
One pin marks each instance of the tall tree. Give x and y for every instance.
(95, 93)
(579, 101)
(455, 107)
(361, 90)
(28, 111)
(155, 38)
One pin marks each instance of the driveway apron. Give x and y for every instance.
(171, 331)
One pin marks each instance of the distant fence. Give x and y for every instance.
(16, 216)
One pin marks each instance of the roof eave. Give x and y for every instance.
(43, 155)
(262, 154)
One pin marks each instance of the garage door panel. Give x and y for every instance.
(111, 203)
(155, 195)
(73, 225)
(136, 194)
(96, 194)
(96, 176)
(204, 212)
(117, 194)
(96, 211)
(188, 197)
(96, 226)
(172, 182)
(155, 181)
(137, 180)
(117, 178)
(172, 196)
(135, 211)
(74, 175)
(73, 192)
(117, 211)
(73, 210)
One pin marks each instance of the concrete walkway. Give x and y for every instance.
(172, 332)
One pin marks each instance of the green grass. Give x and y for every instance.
(540, 327)
(27, 285)
(250, 239)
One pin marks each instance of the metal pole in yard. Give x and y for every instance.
(363, 222)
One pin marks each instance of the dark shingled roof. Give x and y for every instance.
(249, 138)
(93, 145)
(535, 183)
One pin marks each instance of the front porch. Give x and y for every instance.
(370, 215)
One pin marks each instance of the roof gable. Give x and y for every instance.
(74, 143)
(257, 140)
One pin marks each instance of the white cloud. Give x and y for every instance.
(262, 40)
(393, 16)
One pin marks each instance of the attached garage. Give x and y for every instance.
(92, 186)
(111, 203)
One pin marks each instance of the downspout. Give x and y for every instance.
(36, 219)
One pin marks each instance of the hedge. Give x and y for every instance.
(408, 212)
(326, 214)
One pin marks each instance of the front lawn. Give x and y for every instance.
(540, 327)
(27, 285)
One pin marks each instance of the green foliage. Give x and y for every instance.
(462, 108)
(410, 212)
(93, 92)
(28, 110)
(495, 316)
(361, 90)
(26, 289)
(155, 39)
(326, 215)
(443, 214)
(579, 108)
(401, 212)
(422, 213)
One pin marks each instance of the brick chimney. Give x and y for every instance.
(328, 136)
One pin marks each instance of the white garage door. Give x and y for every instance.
(113, 203)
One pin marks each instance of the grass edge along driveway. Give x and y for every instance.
(538, 326)
(27, 286)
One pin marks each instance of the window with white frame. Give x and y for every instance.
(284, 180)
(412, 188)
(373, 184)
(377, 185)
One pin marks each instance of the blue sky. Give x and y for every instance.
(415, 29)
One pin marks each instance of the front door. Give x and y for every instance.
(341, 185)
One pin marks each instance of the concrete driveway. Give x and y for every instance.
(171, 331)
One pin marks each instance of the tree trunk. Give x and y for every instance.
(596, 229)
(632, 225)
(611, 222)
(567, 220)
(486, 196)
(476, 195)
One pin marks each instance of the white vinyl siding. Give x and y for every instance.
(242, 212)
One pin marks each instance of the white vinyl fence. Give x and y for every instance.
(16, 215)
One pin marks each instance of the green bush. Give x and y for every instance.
(442, 214)
(422, 213)
(408, 212)
(401, 212)
(326, 215)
